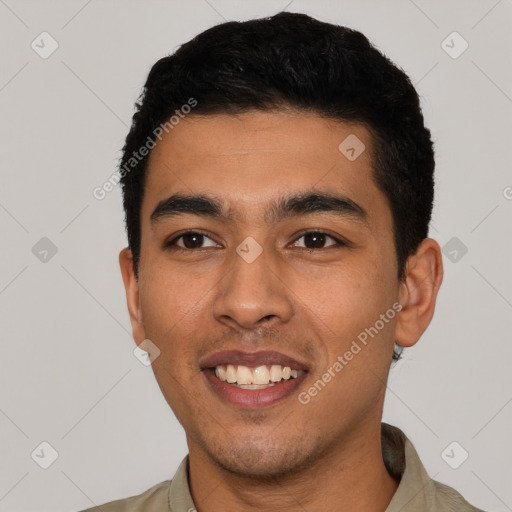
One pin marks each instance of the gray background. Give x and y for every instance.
(68, 374)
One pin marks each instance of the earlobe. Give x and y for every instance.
(418, 292)
(131, 286)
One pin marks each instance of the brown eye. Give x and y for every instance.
(190, 240)
(317, 240)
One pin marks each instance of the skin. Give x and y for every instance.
(306, 303)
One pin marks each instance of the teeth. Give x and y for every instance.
(260, 377)
(276, 372)
(244, 375)
(230, 374)
(220, 372)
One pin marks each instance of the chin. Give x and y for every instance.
(259, 459)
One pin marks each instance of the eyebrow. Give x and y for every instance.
(278, 210)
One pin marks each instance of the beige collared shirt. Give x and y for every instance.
(417, 492)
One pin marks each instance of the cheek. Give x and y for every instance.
(349, 293)
(167, 296)
(349, 301)
(358, 308)
(170, 308)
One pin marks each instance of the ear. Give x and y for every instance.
(131, 286)
(418, 292)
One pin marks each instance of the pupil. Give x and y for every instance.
(318, 240)
(196, 239)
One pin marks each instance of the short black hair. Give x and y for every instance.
(291, 60)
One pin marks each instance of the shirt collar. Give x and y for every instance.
(416, 490)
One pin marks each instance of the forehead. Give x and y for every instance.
(249, 159)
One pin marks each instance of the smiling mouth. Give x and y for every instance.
(253, 379)
(259, 377)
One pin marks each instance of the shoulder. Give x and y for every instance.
(154, 499)
(449, 500)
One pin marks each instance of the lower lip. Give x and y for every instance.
(253, 398)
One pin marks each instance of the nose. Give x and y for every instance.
(253, 294)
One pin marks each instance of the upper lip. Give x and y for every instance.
(251, 359)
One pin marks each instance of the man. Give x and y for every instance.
(278, 186)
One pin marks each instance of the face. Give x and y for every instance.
(273, 274)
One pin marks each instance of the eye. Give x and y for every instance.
(189, 241)
(193, 240)
(317, 240)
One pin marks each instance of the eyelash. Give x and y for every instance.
(171, 244)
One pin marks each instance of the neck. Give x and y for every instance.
(352, 476)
